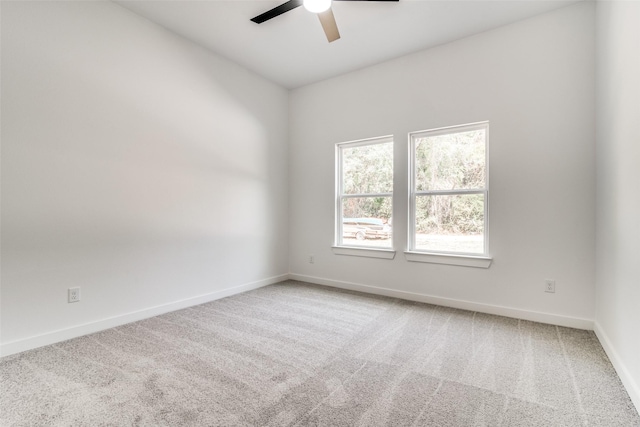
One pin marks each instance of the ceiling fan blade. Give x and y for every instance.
(329, 25)
(276, 11)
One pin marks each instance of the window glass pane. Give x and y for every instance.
(366, 221)
(452, 161)
(367, 169)
(451, 223)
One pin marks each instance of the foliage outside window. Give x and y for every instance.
(364, 193)
(449, 191)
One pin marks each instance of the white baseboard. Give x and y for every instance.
(53, 337)
(554, 319)
(633, 388)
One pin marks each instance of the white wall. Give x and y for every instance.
(134, 164)
(534, 81)
(618, 175)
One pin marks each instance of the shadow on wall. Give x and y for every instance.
(134, 163)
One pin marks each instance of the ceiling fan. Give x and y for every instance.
(320, 7)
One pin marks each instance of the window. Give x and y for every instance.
(449, 191)
(364, 190)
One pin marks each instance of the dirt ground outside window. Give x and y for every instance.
(434, 242)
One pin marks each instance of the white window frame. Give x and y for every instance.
(482, 260)
(339, 248)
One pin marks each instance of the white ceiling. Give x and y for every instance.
(292, 50)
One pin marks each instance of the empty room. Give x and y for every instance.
(320, 213)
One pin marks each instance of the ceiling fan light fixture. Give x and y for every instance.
(316, 6)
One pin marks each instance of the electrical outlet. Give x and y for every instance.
(74, 294)
(550, 285)
(312, 259)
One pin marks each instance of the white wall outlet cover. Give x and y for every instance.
(74, 294)
(550, 285)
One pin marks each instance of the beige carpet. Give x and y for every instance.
(297, 354)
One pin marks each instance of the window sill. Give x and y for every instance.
(364, 252)
(461, 260)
